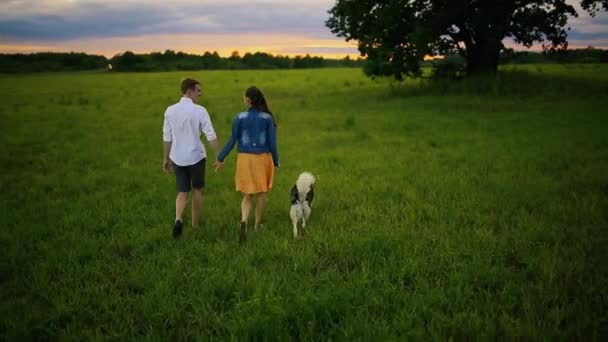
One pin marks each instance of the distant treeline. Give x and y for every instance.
(167, 61)
(454, 66)
(171, 60)
(586, 55)
(510, 56)
(49, 61)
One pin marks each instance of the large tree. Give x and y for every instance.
(395, 35)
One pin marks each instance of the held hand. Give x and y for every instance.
(218, 165)
(167, 166)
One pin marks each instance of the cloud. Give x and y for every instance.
(587, 25)
(586, 30)
(158, 25)
(66, 20)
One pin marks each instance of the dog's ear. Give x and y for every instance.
(294, 195)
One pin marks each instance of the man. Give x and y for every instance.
(184, 152)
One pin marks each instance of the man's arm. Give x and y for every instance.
(216, 146)
(167, 139)
(167, 164)
(207, 129)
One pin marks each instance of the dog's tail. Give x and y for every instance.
(305, 181)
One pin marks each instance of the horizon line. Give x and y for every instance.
(223, 53)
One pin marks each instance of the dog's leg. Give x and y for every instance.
(293, 213)
(305, 213)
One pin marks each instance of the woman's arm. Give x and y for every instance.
(230, 143)
(272, 142)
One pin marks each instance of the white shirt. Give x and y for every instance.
(184, 122)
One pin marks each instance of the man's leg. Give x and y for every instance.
(259, 209)
(197, 176)
(197, 203)
(182, 181)
(180, 204)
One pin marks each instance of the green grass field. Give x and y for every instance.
(474, 209)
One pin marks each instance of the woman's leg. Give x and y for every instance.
(259, 209)
(246, 207)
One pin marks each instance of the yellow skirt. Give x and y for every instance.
(254, 172)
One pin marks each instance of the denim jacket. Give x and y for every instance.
(255, 133)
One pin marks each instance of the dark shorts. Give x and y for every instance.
(191, 176)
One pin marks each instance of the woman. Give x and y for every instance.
(255, 131)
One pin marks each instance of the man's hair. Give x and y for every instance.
(189, 83)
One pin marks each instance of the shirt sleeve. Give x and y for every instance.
(207, 126)
(167, 134)
(272, 141)
(230, 143)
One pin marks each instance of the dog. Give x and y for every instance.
(302, 195)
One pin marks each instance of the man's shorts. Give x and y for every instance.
(191, 176)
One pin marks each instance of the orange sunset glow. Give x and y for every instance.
(224, 44)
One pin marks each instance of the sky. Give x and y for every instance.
(279, 27)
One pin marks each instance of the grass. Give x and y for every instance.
(475, 209)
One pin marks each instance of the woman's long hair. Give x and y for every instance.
(258, 101)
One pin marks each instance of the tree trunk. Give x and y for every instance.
(482, 57)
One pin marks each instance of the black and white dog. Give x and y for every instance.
(302, 195)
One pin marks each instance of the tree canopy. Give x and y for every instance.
(395, 35)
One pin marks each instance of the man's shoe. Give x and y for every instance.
(243, 234)
(177, 229)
